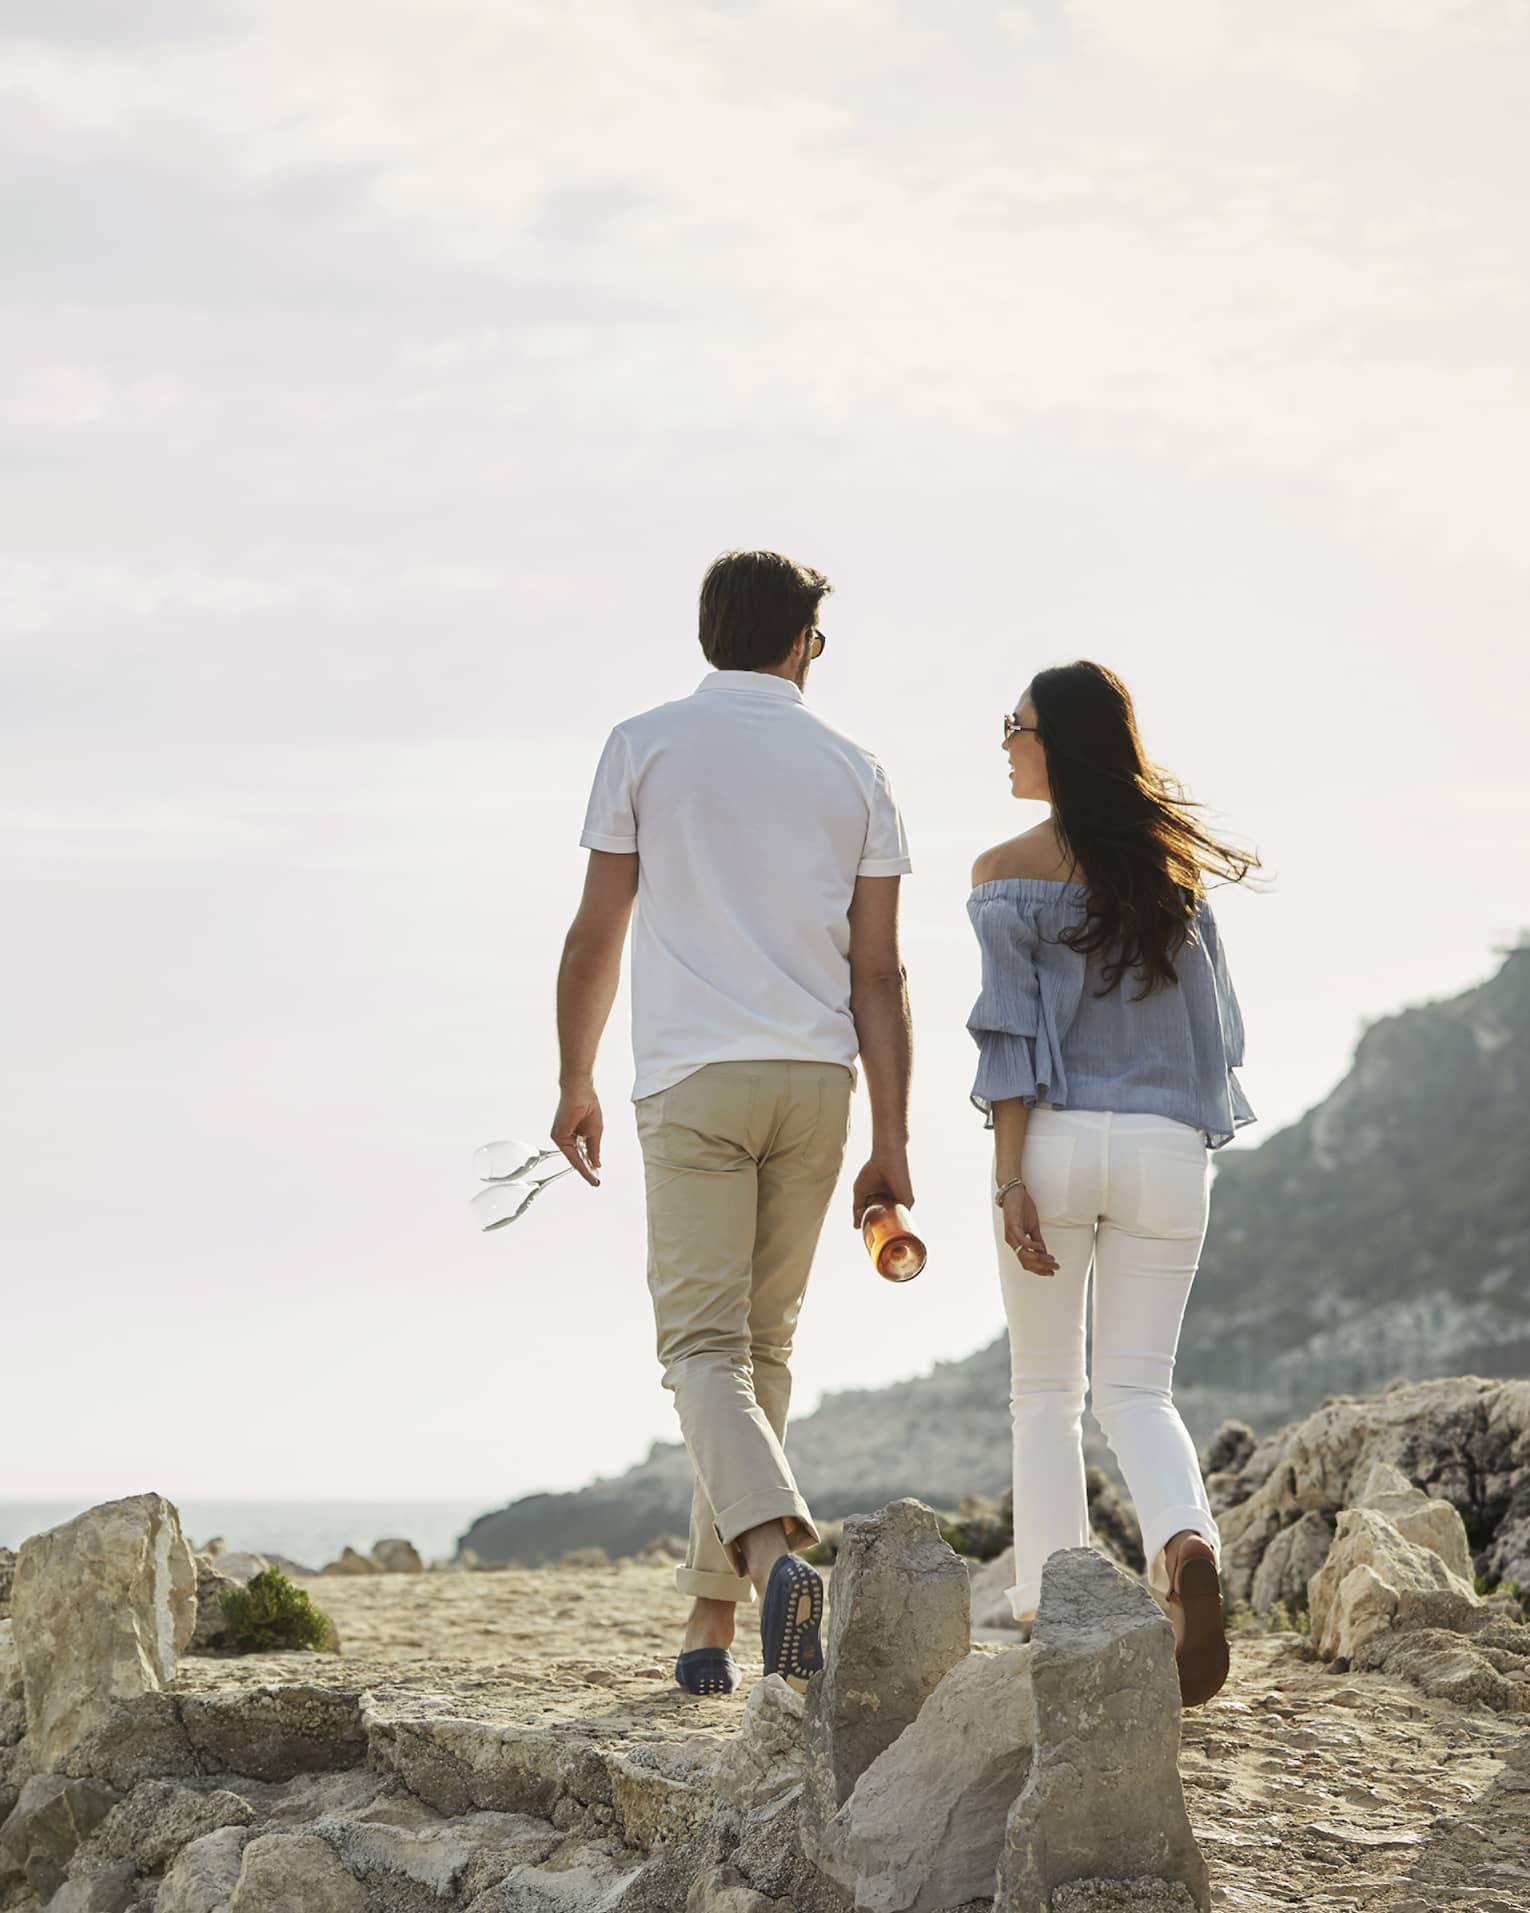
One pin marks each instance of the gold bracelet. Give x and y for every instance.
(1015, 1182)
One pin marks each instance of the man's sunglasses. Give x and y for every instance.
(816, 642)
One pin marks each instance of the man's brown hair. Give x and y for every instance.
(753, 604)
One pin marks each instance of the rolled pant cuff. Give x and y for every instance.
(704, 1585)
(1170, 1522)
(769, 1504)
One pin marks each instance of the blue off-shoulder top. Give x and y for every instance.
(1044, 1033)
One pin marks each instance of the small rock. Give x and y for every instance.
(1123, 1896)
(351, 1562)
(722, 1890)
(285, 1872)
(1290, 1561)
(158, 1818)
(1104, 1791)
(765, 1758)
(991, 1582)
(51, 1817)
(212, 1585)
(584, 1558)
(899, 1622)
(203, 1876)
(397, 1557)
(102, 1607)
(110, 1891)
(242, 1566)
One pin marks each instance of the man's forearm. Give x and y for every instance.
(587, 981)
(1009, 1120)
(884, 1031)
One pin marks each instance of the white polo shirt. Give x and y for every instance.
(751, 818)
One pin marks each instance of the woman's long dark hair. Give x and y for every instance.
(1127, 826)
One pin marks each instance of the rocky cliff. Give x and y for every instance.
(1385, 1235)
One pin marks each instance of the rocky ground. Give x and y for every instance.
(1306, 1788)
(511, 1741)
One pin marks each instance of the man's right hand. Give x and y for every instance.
(886, 1174)
(577, 1129)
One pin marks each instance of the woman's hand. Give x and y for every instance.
(1022, 1231)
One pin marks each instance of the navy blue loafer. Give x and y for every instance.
(790, 1617)
(707, 1670)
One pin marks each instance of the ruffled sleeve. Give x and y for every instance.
(1228, 1012)
(1031, 988)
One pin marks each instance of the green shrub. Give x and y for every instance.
(270, 1613)
(1293, 1619)
(1520, 1595)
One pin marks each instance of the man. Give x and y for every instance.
(763, 849)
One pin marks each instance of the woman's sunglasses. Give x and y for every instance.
(1012, 726)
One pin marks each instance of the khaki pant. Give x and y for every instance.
(740, 1161)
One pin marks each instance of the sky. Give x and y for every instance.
(376, 385)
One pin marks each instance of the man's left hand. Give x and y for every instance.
(886, 1174)
(577, 1129)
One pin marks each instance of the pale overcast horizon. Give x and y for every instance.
(376, 390)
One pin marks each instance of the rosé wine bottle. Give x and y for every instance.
(896, 1252)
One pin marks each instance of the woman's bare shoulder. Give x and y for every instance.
(1034, 853)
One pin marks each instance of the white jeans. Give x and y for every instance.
(1130, 1194)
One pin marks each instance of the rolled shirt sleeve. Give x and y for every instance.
(610, 821)
(886, 849)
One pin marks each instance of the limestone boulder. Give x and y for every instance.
(924, 1826)
(274, 1733)
(459, 1766)
(351, 1562)
(103, 1607)
(662, 1795)
(397, 1557)
(48, 1822)
(1103, 1798)
(1425, 1520)
(1376, 1582)
(1464, 1440)
(771, 1856)
(765, 1759)
(7, 1578)
(402, 1850)
(899, 1621)
(991, 1582)
(282, 1872)
(1290, 1561)
(212, 1585)
(155, 1821)
(203, 1876)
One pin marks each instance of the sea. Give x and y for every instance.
(307, 1532)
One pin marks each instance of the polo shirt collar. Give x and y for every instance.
(750, 684)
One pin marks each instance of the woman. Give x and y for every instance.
(1108, 1035)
